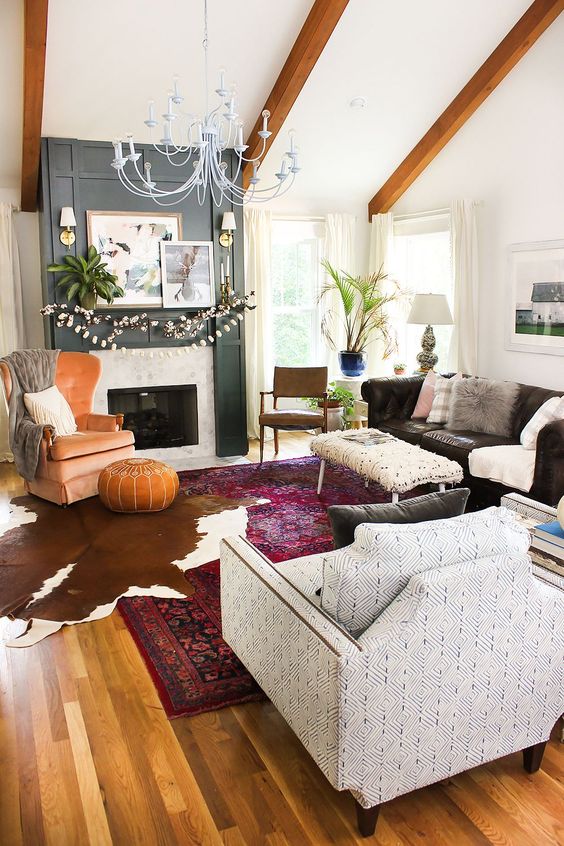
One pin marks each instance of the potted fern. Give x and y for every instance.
(364, 316)
(87, 279)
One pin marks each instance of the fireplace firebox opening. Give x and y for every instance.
(164, 416)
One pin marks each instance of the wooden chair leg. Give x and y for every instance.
(276, 441)
(261, 443)
(366, 819)
(532, 757)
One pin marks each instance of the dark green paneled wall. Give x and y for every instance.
(78, 174)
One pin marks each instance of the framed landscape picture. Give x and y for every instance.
(130, 244)
(187, 271)
(535, 313)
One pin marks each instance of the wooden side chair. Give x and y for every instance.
(294, 382)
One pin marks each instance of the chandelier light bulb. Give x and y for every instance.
(198, 145)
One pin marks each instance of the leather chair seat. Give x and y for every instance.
(292, 418)
(408, 430)
(88, 443)
(458, 445)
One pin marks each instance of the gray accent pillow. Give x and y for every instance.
(483, 405)
(433, 506)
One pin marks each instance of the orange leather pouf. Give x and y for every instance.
(137, 484)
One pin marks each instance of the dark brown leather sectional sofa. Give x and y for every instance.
(390, 406)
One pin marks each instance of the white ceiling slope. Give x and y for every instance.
(409, 59)
(106, 59)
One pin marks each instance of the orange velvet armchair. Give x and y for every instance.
(69, 466)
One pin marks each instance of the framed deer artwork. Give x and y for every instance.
(187, 274)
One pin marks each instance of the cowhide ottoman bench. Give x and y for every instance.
(137, 484)
(378, 457)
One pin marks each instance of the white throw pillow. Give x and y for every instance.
(441, 400)
(50, 408)
(360, 580)
(552, 409)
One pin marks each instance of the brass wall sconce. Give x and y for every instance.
(228, 226)
(68, 220)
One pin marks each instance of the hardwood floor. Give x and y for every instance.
(88, 756)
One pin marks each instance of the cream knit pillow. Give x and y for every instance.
(50, 408)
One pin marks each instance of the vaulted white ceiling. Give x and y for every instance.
(106, 58)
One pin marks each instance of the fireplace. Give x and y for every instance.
(159, 416)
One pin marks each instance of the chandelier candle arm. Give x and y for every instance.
(207, 138)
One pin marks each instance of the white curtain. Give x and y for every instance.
(12, 330)
(381, 245)
(258, 323)
(339, 250)
(463, 353)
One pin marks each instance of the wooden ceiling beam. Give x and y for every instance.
(314, 35)
(35, 40)
(516, 43)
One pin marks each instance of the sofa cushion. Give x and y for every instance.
(459, 445)
(529, 401)
(483, 405)
(88, 443)
(433, 506)
(408, 430)
(50, 408)
(426, 395)
(441, 401)
(360, 580)
(552, 409)
(512, 466)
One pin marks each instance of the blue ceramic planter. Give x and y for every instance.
(352, 363)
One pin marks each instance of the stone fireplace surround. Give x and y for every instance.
(173, 367)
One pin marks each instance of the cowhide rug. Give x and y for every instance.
(63, 566)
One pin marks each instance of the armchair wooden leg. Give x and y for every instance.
(532, 757)
(261, 443)
(366, 819)
(276, 441)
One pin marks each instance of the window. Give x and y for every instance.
(421, 262)
(296, 274)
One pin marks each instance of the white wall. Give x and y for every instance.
(509, 155)
(27, 233)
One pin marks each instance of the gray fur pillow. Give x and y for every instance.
(483, 405)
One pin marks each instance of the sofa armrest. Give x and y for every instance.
(104, 422)
(391, 397)
(548, 483)
(289, 645)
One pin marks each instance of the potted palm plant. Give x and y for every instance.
(364, 316)
(87, 279)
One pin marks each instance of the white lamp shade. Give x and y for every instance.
(228, 221)
(430, 309)
(67, 216)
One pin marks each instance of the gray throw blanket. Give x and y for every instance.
(31, 371)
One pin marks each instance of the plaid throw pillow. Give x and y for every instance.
(441, 400)
(552, 409)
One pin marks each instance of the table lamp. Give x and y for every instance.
(429, 310)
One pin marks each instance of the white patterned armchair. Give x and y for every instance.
(463, 667)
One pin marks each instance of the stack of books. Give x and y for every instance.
(550, 538)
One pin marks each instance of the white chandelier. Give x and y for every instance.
(198, 144)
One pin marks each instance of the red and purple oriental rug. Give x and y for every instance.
(180, 640)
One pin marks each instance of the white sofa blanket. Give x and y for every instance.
(513, 466)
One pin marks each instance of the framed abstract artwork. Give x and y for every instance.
(130, 244)
(187, 274)
(535, 309)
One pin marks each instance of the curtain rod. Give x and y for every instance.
(314, 218)
(430, 213)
